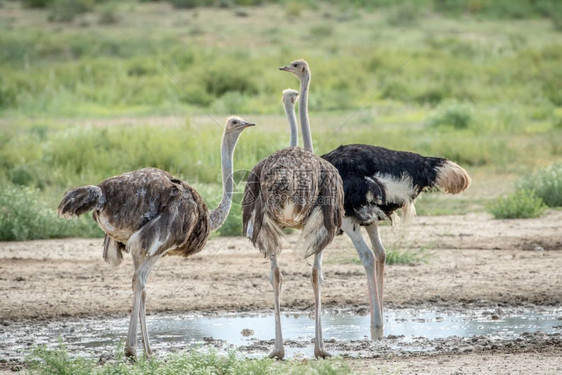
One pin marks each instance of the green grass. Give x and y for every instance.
(84, 100)
(45, 361)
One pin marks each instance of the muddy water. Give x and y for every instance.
(345, 332)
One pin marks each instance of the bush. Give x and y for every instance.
(186, 4)
(24, 215)
(520, 205)
(453, 113)
(66, 10)
(545, 184)
(37, 3)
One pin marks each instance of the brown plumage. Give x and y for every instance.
(149, 213)
(293, 188)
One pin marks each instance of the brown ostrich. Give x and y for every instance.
(149, 213)
(293, 188)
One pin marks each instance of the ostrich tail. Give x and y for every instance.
(79, 200)
(314, 236)
(268, 238)
(452, 178)
(112, 251)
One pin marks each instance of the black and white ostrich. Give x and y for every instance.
(377, 182)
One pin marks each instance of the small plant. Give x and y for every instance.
(546, 184)
(407, 256)
(405, 14)
(522, 204)
(107, 16)
(452, 113)
(294, 9)
(67, 10)
(186, 4)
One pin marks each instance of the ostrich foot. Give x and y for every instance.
(277, 353)
(321, 353)
(131, 352)
(377, 333)
(149, 353)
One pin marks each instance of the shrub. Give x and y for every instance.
(186, 4)
(24, 215)
(107, 16)
(405, 14)
(294, 9)
(545, 184)
(37, 3)
(519, 205)
(453, 113)
(66, 10)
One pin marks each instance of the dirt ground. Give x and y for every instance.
(472, 260)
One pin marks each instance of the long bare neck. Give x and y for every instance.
(303, 112)
(290, 111)
(219, 214)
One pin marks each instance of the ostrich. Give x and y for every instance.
(149, 213)
(289, 98)
(293, 188)
(377, 182)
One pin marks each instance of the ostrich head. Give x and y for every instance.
(297, 67)
(290, 96)
(235, 125)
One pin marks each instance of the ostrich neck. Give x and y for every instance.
(219, 214)
(303, 113)
(290, 111)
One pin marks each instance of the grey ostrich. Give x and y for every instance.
(377, 182)
(149, 213)
(293, 188)
(289, 99)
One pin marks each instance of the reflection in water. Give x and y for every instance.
(169, 332)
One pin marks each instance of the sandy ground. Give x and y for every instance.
(472, 260)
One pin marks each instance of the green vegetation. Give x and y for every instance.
(90, 97)
(534, 193)
(519, 205)
(407, 256)
(44, 361)
(545, 184)
(24, 216)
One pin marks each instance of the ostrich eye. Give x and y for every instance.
(295, 65)
(234, 122)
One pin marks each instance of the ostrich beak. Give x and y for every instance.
(248, 124)
(284, 68)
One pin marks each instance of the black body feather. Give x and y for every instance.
(359, 165)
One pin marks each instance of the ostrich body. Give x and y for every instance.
(377, 182)
(149, 214)
(293, 188)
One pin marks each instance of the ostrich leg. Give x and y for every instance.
(319, 351)
(276, 279)
(380, 258)
(139, 281)
(368, 259)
